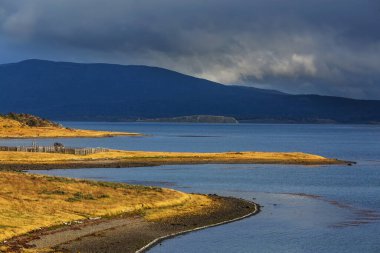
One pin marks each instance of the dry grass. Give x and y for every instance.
(29, 202)
(13, 129)
(163, 158)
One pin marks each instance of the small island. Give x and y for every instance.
(195, 119)
(23, 125)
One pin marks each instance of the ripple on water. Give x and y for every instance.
(361, 216)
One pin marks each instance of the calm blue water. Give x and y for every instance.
(306, 209)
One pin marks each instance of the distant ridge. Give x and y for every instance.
(108, 92)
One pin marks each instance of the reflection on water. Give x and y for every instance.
(360, 216)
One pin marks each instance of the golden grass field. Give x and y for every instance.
(141, 157)
(29, 202)
(13, 129)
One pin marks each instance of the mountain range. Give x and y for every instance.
(109, 92)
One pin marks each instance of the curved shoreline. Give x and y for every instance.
(150, 233)
(163, 238)
(132, 233)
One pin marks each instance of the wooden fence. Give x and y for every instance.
(54, 149)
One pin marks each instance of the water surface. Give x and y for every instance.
(306, 209)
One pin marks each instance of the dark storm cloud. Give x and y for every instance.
(320, 46)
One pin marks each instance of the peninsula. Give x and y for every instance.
(15, 160)
(14, 125)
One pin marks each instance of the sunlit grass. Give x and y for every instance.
(29, 202)
(162, 157)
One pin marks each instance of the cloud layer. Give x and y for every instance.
(298, 46)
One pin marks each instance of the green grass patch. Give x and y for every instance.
(79, 196)
(53, 192)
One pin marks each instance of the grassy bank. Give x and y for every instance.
(30, 202)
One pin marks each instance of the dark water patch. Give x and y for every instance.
(370, 162)
(184, 187)
(98, 178)
(151, 183)
(197, 136)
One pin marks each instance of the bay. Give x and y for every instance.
(305, 208)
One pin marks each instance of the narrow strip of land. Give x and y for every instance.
(117, 158)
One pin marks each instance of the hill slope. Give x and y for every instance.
(72, 91)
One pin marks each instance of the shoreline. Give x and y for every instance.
(132, 234)
(257, 209)
(137, 164)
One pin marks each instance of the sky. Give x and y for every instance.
(327, 47)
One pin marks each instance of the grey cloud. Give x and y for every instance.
(321, 46)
